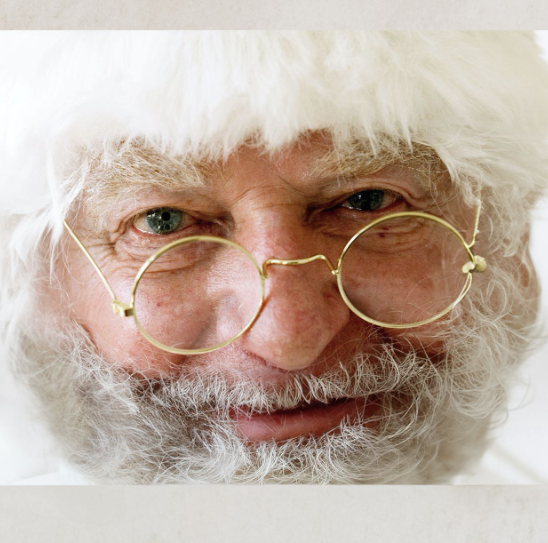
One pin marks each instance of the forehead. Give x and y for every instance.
(308, 162)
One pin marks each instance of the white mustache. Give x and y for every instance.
(204, 391)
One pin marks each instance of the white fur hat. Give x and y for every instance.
(479, 99)
(476, 97)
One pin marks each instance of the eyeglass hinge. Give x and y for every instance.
(122, 309)
(477, 266)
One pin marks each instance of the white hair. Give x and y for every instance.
(478, 99)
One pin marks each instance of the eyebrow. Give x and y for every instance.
(132, 166)
(359, 159)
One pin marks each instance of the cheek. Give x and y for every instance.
(427, 341)
(116, 338)
(392, 279)
(198, 307)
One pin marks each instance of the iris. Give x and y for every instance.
(164, 220)
(366, 200)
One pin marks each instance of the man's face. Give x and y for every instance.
(310, 378)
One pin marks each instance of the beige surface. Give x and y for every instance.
(223, 14)
(274, 514)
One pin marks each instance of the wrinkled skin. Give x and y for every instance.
(274, 206)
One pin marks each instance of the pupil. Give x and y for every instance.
(367, 200)
(164, 221)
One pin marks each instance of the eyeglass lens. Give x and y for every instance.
(198, 295)
(404, 270)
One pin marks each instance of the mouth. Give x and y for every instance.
(314, 419)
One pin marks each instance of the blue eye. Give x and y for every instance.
(162, 220)
(369, 200)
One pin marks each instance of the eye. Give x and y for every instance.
(161, 220)
(370, 200)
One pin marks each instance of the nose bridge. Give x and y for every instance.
(302, 311)
(297, 262)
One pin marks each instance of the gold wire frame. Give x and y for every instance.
(178, 243)
(476, 263)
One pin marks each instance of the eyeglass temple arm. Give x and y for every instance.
(478, 264)
(476, 223)
(120, 308)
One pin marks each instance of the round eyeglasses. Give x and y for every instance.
(200, 293)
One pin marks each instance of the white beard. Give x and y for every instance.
(433, 420)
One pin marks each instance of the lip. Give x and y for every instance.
(314, 420)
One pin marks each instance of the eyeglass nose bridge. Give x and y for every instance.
(298, 262)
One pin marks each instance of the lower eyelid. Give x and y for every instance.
(194, 228)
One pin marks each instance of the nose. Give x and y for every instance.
(302, 314)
